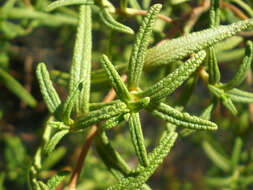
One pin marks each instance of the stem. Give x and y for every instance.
(74, 178)
(244, 6)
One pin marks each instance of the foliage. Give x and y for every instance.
(156, 76)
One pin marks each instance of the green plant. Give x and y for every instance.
(78, 114)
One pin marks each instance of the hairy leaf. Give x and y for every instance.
(213, 68)
(178, 118)
(81, 66)
(69, 103)
(214, 13)
(137, 138)
(224, 97)
(50, 146)
(112, 122)
(243, 69)
(42, 186)
(228, 44)
(55, 157)
(240, 96)
(117, 84)
(56, 180)
(206, 114)
(155, 159)
(49, 94)
(181, 47)
(171, 82)
(140, 47)
(227, 102)
(107, 112)
(110, 22)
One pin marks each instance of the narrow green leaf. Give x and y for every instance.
(37, 160)
(110, 156)
(50, 146)
(230, 55)
(62, 3)
(137, 138)
(224, 97)
(42, 186)
(104, 113)
(54, 158)
(81, 64)
(118, 85)
(146, 4)
(181, 47)
(236, 154)
(69, 103)
(172, 81)
(15, 87)
(214, 13)
(219, 181)
(134, 4)
(218, 159)
(228, 44)
(49, 94)
(140, 46)
(110, 22)
(237, 95)
(59, 77)
(227, 102)
(206, 114)
(213, 68)
(112, 122)
(178, 118)
(161, 151)
(43, 18)
(155, 158)
(54, 181)
(243, 69)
